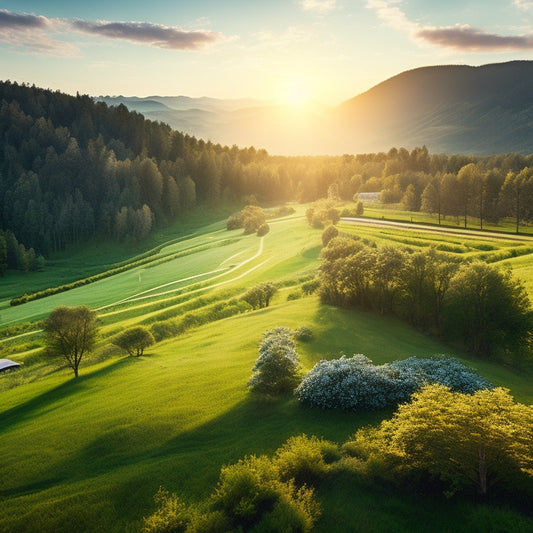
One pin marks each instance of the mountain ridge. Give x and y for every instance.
(448, 108)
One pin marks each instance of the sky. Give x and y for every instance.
(283, 50)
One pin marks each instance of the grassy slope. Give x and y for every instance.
(88, 455)
(94, 451)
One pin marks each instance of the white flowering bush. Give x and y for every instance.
(355, 383)
(276, 369)
(441, 370)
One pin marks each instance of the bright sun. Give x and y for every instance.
(297, 93)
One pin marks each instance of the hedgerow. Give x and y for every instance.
(172, 327)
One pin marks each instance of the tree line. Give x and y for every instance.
(473, 303)
(72, 168)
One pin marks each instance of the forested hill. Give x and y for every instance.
(450, 109)
(71, 168)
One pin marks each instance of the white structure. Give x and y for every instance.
(7, 366)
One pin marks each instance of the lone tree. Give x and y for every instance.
(134, 340)
(70, 333)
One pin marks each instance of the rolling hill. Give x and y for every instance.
(450, 109)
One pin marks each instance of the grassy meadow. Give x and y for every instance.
(88, 455)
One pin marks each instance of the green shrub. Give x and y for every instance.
(303, 334)
(329, 233)
(254, 498)
(164, 329)
(282, 211)
(234, 222)
(309, 287)
(134, 340)
(353, 211)
(206, 521)
(294, 295)
(263, 229)
(171, 515)
(303, 459)
(260, 295)
(276, 370)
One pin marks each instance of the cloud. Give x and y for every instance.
(318, 6)
(150, 34)
(35, 33)
(31, 32)
(462, 38)
(389, 12)
(524, 5)
(468, 39)
(16, 21)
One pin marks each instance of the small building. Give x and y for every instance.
(8, 366)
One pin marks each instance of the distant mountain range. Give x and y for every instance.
(450, 109)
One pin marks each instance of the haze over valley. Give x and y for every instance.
(449, 109)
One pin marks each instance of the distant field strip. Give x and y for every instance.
(225, 270)
(437, 229)
(142, 295)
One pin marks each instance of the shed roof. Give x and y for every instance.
(6, 364)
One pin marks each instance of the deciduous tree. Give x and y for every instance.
(489, 309)
(276, 368)
(471, 440)
(70, 333)
(134, 340)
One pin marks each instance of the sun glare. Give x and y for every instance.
(297, 94)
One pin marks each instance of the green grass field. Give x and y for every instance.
(88, 455)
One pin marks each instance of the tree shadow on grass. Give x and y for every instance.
(250, 427)
(52, 399)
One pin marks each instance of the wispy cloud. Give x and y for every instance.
(150, 34)
(525, 5)
(318, 6)
(468, 39)
(460, 37)
(389, 12)
(32, 33)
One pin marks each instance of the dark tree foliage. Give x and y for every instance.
(329, 233)
(488, 310)
(3, 255)
(260, 295)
